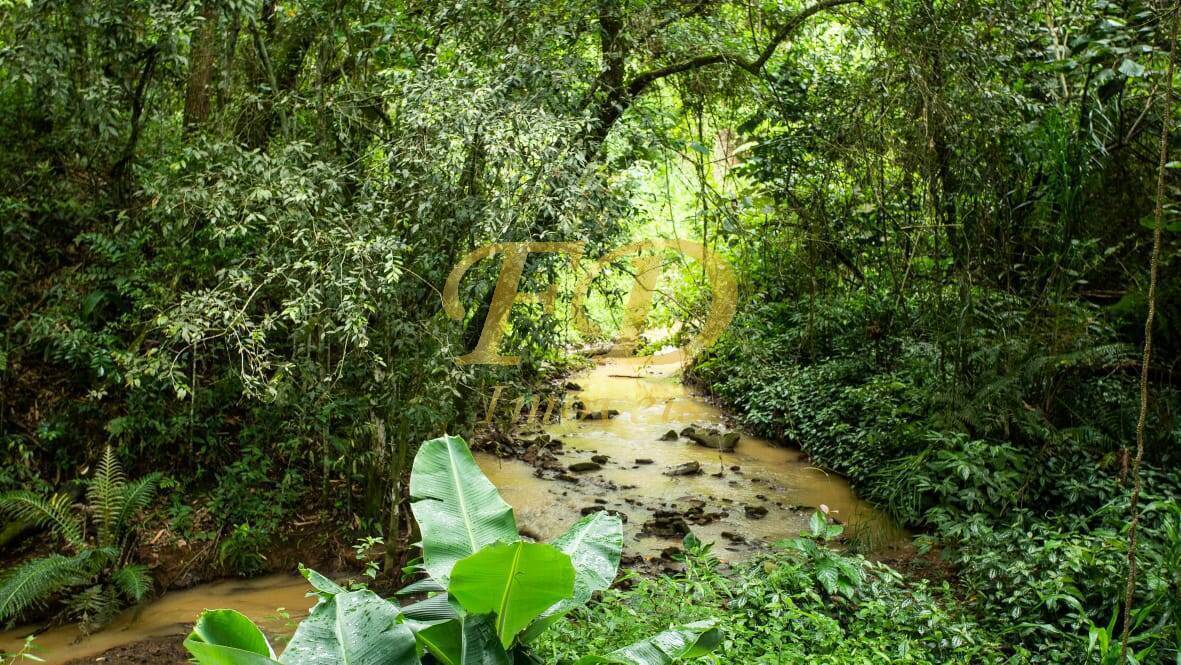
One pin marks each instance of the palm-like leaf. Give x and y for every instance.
(137, 495)
(105, 495)
(133, 582)
(54, 513)
(93, 607)
(458, 510)
(33, 581)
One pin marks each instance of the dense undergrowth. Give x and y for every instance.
(778, 609)
(228, 225)
(1016, 480)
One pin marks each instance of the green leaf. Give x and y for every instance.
(818, 524)
(56, 513)
(36, 580)
(439, 607)
(467, 640)
(228, 637)
(352, 628)
(688, 641)
(1131, 68)
(515, 581)
(827, 574)
(458, 510)
(134, 581)
(320, 583)
(594, 545)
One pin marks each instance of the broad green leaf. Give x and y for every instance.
(439, 607)
(688, 641)
(425, 585)
(228, 637)
(593, 544)
(515, 581)
(467, 640)
(458, 510)
(352, 628)
(1131, 68)
(827, 574)
(321, 583)
(818, 524)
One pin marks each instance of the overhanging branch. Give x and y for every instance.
(641, 82)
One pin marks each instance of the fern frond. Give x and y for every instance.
(93, 607)
(133, 582)
(136, 497)
(105, 495)
(56, 513)
(33, 582)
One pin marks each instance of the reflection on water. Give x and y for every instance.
(651, 401)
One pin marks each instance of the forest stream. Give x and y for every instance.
(723, 503)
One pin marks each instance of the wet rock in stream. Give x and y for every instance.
(755, 512)
(670, 435)
(590, 510)
(598, 414)
(665, 524)
(711, 437)
(582, 467)
(686, 469)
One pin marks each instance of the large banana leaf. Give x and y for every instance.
(688, 641)
(352, 628)
(466, 640)
(515, 581)
(439, 607)
(593, 544)
(227, 637)
(458, 510)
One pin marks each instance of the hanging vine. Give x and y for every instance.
(1154, 269)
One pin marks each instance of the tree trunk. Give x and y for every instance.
(201, 58)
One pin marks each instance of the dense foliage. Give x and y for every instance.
(225, 226)
(492, 593)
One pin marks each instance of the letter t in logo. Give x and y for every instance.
(505, 296)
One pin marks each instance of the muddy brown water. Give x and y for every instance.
(651, 400)
(263, 599)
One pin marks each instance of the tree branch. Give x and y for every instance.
(641, 82)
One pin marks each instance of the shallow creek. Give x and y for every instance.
(261, 599)
(651, 400)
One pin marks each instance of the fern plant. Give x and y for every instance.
(95, 562)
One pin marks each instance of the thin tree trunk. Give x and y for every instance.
(201, 59)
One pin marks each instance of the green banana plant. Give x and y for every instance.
(491, 593)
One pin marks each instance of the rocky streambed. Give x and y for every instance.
(640, 444)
